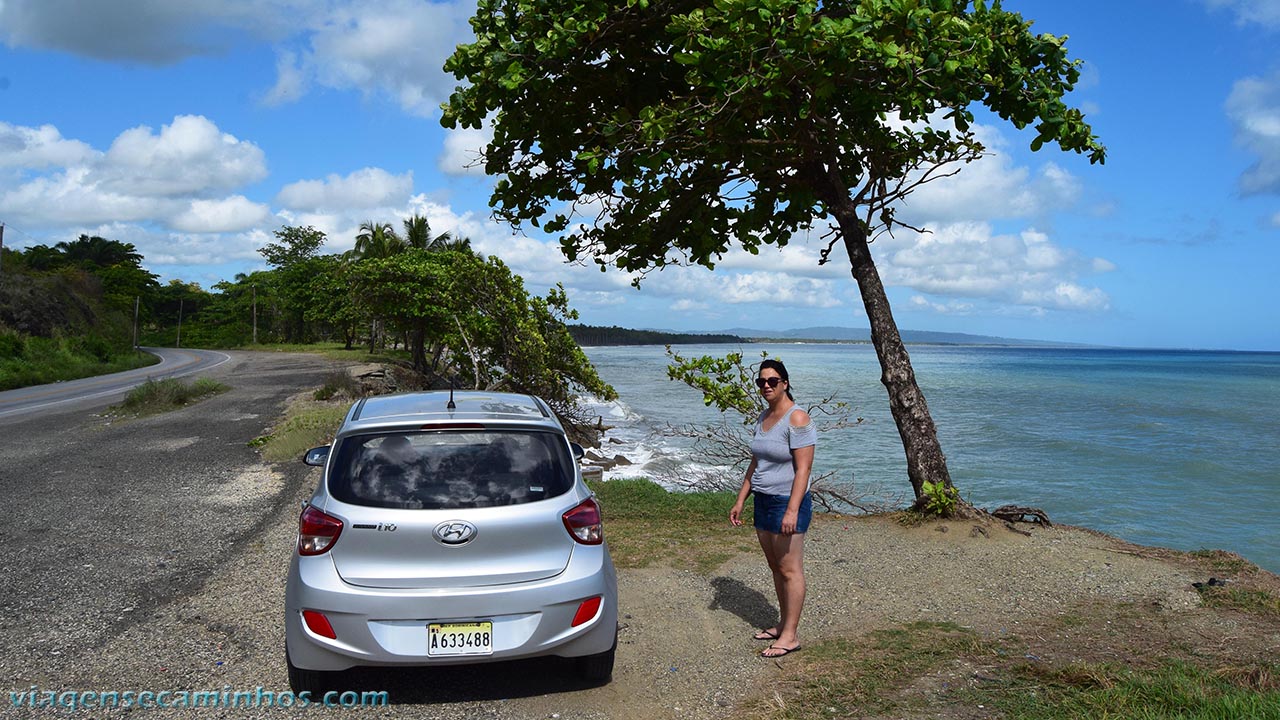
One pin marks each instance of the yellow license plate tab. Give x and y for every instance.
(452, 639)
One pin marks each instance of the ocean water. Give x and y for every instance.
(1178, 449)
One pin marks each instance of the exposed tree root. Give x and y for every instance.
(1019, 513)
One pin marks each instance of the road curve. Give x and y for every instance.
(99, 390)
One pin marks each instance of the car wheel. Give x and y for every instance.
(598, 668)
(315, 682)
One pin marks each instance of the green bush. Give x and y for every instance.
(11, 345)
(154, 396)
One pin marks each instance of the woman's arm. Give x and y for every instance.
(802, 460)
(735, 514)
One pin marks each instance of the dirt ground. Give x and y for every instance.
(1067, 595)
(685, 643)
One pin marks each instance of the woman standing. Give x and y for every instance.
(778, 476)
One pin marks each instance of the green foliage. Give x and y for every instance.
(724, 382)
(12, 345)
(477, 314)
(694, 126)
(45, 360)
(938, 499)
(378, 240)
(295, 245)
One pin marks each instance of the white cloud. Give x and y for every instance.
(992, 187)
(394, 48)
(361, 190)
(155, 32)
(72, 197)
(291, 81)
(968, 260)
(389, 48)
(1260, 12)
(36, 148)
(189, 155)
(231, 214)
(952, 308)
(687, 305)
(463, 151)
(718, 288)
(1254, 108)
(180, 174)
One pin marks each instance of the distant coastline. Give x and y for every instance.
(600, 336)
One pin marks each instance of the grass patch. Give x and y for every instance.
(645, 523)
(338, 383)
(158, 396)
(335, 351)
(300, 432)
(861, 677)
(1225, 563)
(1258, 602)
(1173, 689)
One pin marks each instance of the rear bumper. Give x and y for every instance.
(376, 626)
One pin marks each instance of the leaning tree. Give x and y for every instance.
(651, 132)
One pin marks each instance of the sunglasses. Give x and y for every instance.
(771, 382)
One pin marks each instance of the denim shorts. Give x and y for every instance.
(769, 510)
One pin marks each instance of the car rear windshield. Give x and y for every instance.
(451, 469)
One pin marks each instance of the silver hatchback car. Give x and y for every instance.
(448, 528)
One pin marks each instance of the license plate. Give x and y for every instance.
(447, 639)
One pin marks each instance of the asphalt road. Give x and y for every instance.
(98, 391)
(104, 520)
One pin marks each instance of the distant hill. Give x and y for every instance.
(590, 335)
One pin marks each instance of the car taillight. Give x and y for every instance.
(587, 611)
(317, 531)
(319, 624)
(583, 523)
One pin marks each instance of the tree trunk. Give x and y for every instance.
(925, 460)
(419, 349)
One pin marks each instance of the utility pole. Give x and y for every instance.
(179, 322)
(255, 313)
(136, 299)
(1, 246)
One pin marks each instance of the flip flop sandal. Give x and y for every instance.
(765, 634)
(778, 651)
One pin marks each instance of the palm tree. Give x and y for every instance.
(98, 251)
(417, 233)
(378, 240)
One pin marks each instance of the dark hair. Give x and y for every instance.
(778, 367)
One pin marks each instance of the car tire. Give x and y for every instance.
(315, 682)
(598, 669)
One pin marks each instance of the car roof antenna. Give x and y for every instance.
(451, 405)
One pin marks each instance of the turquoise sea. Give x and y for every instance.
(1178, 449)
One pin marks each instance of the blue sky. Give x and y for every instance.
(193, 130)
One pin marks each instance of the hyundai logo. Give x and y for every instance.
(454, 532)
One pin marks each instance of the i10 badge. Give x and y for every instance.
(454, 532)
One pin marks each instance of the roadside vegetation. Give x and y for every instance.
(943, 670)
(158, 396)
(26, 361)
(411, 298)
